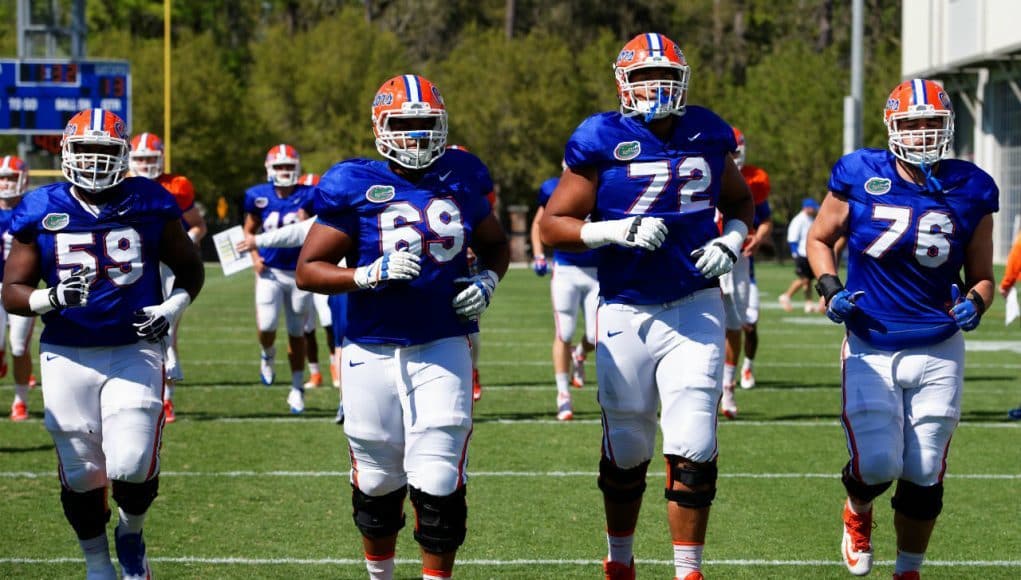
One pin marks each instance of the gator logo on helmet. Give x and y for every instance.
(380, 193)
(892, 104)
(877, 185)
(627, 151)
(56, 221)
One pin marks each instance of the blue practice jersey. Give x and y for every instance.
(677, 180)
(434, 218)
(120, 248)
(907, 245)
(6, 217)
(263, 202)
(586, 259)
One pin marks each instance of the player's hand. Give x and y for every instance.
(152, 323)
(751, 246)
(257, 264)
(71, 292)
(965, 312)
(842, 305)
(540, 266)
(715, 258)
(1005, 291)
(246, 244)
(642, 232)
(402, 265)
(471, 302)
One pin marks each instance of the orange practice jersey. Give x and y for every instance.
(1013, 265)
(180, 187)
(758, 182)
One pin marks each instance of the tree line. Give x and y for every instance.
(517, 75)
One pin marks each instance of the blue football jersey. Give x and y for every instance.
(6, 216)
(120, 247)
(434, 218)
(906, 245)
(677, 180)
(262, 201)
(586, 259)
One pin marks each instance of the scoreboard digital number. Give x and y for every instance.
(41, 96)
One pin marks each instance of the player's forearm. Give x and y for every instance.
(537, 248)
(562, 232)
(324, 278)
(494, 256)
(289, 236)
(16, 299)
(820, 257)
(190, 275)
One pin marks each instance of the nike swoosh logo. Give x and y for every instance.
(611, 334)
(851, 561)
(695, 136)
(352, 363)
(446, 175)
(51, 356)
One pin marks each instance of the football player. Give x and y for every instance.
(96, 242)
(280, 201)
(405, 226)
(13, 184)
(146, 160)
(914, 220)
(740, 293)
(573, 287)
(797, 239)
(652, 177)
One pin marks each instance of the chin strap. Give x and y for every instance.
(661, 99)
(931, 183)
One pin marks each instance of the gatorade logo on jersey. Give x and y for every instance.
(878, 185)
(56, 221)
(627, 151)
(380, 193)
(261, 202)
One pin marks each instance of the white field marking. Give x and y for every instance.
(525, 474)
(513, 562)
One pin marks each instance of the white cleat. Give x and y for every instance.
(296, 400)
(578, 367)
(565, 412)
(727, 404)
(785, 303)
(339, 419)
(267, 371)
(856, 543)
(747, 379)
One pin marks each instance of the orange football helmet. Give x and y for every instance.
(409, 97)
(309, 179)
(94, 150)
(652, 98)
(739, 153)
(13, 177)
(146, 156)
(283, 165)
(919, 99)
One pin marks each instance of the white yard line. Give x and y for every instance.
(487, 474)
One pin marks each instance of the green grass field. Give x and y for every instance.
(249, 491)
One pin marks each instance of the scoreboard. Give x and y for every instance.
(39, 96)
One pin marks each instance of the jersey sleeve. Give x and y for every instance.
(333, 204)
(841, 178)
(546, 191)
(184, 192)
(250, 202)
(584, 149)
(763, 212)
(26, 217)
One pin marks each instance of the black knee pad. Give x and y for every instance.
(379, 517)
(135, 498)
(441, 523)
(860, 490)
(87, 512)
(621, 485)
(918, 502)
(700, 478)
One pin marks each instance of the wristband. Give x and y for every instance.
(828, 285)
(40, 301)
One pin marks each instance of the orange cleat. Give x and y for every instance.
(315, 380)
(476, 385)
(619, 571)
(19, 411)
(565, 412)
(696, 575)
(32, 382)
(168, 411)
(856, 545)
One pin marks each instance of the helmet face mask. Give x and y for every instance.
(409, 120)
(283, 166)
(919, 120)
(146, 157)
(13, 177)
(652, 77)
(739, 154)
(94, 150)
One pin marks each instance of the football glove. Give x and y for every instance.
(540, 266)
(71, 292)
(718, 257)
(402, 265)
(642, 232)
(152, 323)
(471, 302)
(966, 313)
(842, 305)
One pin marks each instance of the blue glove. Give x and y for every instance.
(540, 266)
(965, 311)
(842, 305)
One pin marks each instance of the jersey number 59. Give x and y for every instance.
(122, 248)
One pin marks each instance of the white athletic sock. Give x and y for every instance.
(747, 366)
(298, 380)
(97, 553)
(621, 548)
(563, 382)
(687, 558)
(728, 373)
(380, 567)
(908, 561)
(168, 391)
(129, 523)
(20, 393)
(269, 352)
(313, 368)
